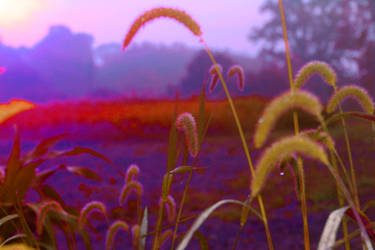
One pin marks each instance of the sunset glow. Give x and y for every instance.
(13, 12)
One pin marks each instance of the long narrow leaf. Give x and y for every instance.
(8, 218)
(14, 237)
(42, 148)
(13, 161)
(143, 231)
(202, 240)
(199, 221)
(85, 172)
(328, 238)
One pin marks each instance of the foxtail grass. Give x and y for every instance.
(132, 173)
(280, 105)
(315, 67)
(237, 70)
(283, 148)
(186, 123)
(193, 26)
(112, 231)
(214, 76)
(88, 209)
(351, 91)
(296, 129)
(42, 213)
(178, 15)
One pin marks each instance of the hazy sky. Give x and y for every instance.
(225, 23)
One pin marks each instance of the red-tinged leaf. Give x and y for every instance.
(44, 175)
(49, 193)
(362, 115)
(25, 178)
(366, 223)
(184, 169)
(13, 164)
(42, 148)
(82, 150)
(85, 172)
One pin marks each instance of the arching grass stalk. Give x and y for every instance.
(244, 144)
(189, 23)
(296, 129)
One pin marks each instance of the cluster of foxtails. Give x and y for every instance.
(316, 144)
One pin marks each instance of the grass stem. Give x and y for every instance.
(296, 129)
(244, 145)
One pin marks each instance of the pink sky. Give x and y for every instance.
(225, 23)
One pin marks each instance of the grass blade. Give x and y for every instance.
(14, 237)
(8, 218)
(202, 240)
(143, 233)
(199, 221)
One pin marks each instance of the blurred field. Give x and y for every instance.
(136, 131)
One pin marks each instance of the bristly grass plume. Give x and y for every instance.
(170, 205)
(132, 173)
(278, 106)
(112, 231)
(315, 67)
(132, 186)
(237, 70)
(351, 91)
(213, 71)
(186, 122)
(281, 149)
(88, 209)
(42, 213)
(178, 15)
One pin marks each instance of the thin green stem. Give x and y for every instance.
(237, 238)
(340, 199)
(352, 172)
(296, 129)
(155, 244)
(244, 144)
(180, 208)
(301, 176)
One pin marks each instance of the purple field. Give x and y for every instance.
(225, 176)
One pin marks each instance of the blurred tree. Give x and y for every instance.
(339, 32)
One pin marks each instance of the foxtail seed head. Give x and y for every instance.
(42, 213)
(132, 186)
(178, 15)
(112, 230)
(283, 148)
(319, 136)
(315, 67)
(278, 106)
(357, 93)
(136, 232)
(214, 76)
(88, 209)
(170, 206)
(131, 173)
(237, 69)
(186, 123)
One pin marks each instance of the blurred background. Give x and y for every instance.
(63, 50)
